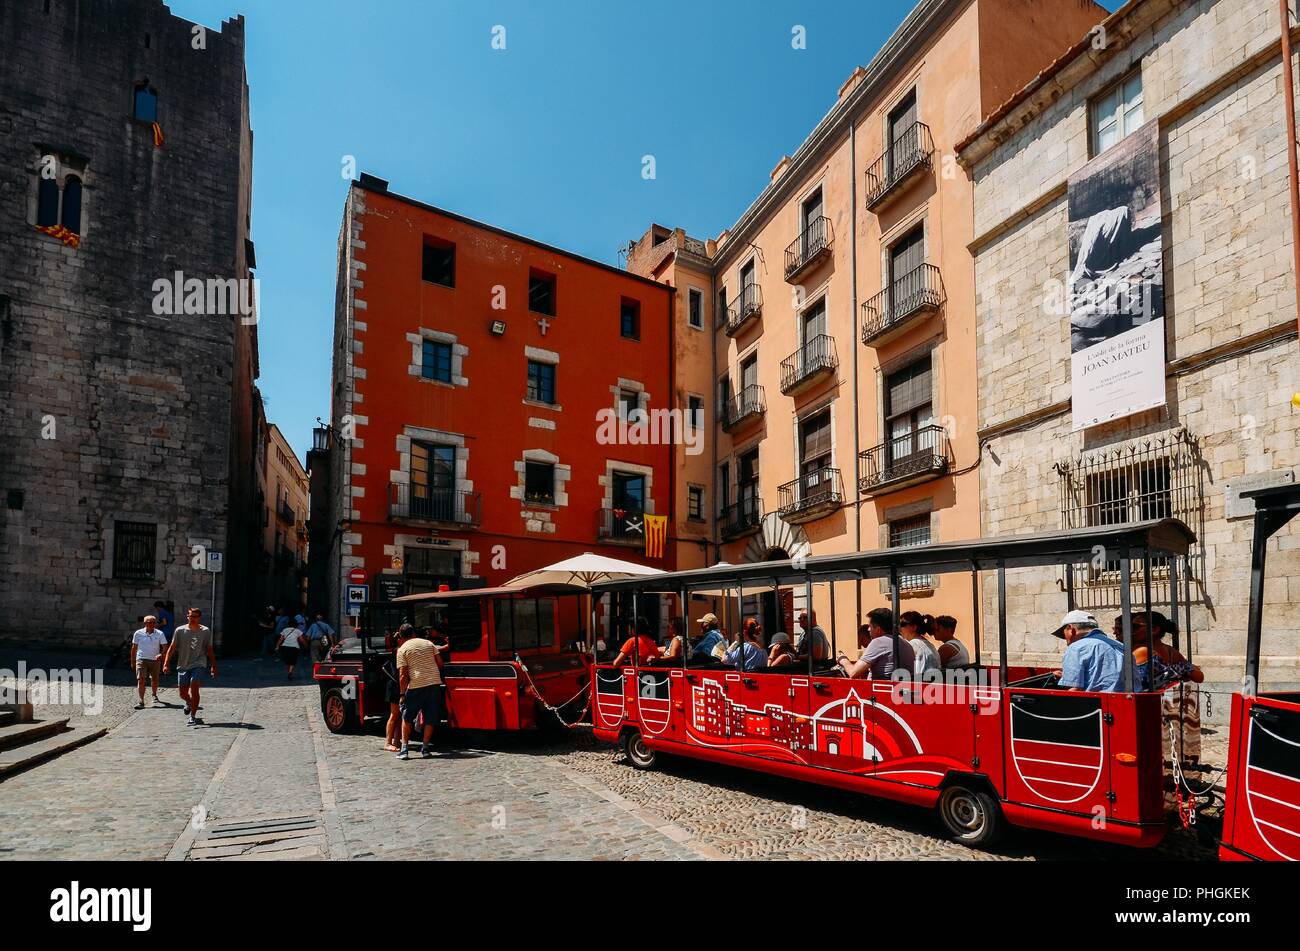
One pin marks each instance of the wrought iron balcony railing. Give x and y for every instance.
(621, 524)
(811, 246)
(812, 495)
(918, 292)
(904, 460)
(743, 515)
(910, 154)
(748, 303)
(419, 503)
(747, 405)
(811, 361)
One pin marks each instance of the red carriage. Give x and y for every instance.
(988, 745)
(1261, 817)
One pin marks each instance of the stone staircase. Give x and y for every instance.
(25, 742)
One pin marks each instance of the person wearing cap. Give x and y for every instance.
(710, 640)
(1092, 661)
(780, 653)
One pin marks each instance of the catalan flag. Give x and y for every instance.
(157, 136)
(656, 533)
(70, 238)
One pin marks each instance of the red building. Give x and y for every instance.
(493, 405)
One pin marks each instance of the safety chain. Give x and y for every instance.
(537, 694)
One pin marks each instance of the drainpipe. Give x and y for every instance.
(713, 417)
(671, 530)
(1285, 10)
(853, 343)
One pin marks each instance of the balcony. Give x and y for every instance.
(808, 249)
(813, 361)
(814, 494)
(748, 303)
(745, 407)
(901, 306)
(903, 461)
(743, 517)
(624, 526)
(910, 157)
(407, 503)
(284, 512)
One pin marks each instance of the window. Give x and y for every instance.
(433, 481)
(724, 486)
(902, 134)
(539, 482)
(1117, 112)
(71, 217)
(629, 404)
(541, 382)
(814, 445)
(695, 411)
(541, 293)
(436, 363)
(524, 623)
(909, 413)
(905, 257)
(695, 503)
(809, 213)
(439, 263)
(629, 492)
(911, 531)
(695, 308)
(47, 203)
(721, 316)
(134, 549)
(629, 319)
(145, 106)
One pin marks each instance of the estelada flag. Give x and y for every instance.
(157, 136)
(656, 533)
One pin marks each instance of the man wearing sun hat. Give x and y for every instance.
(710, 645)
(1092, 661)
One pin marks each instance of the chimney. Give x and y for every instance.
(854, 78)
(780, 168)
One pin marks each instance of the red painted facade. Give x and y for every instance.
(436, 473)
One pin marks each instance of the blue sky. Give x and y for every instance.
(545, 137)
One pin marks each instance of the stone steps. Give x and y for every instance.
(37, 746)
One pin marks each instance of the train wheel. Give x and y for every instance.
(340, 712)
(637, 753)
(971, 815)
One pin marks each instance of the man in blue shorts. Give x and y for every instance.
(191, 650)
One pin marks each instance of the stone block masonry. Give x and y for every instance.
(109, 412)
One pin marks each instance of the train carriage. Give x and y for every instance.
(517, 660)
(989, 745)
(1261, 818)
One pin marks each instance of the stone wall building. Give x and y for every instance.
(284, 528)
(126, 401)
(1210, 75)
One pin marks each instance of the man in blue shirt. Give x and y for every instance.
(710, 639)
(1092, 661)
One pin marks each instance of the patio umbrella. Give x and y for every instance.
(583, 570)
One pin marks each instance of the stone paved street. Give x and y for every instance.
(154, 788)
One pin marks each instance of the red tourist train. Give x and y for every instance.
(1261, 818)
(1000, 745)
(509, 667)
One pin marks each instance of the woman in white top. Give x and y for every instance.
(952, 652)
(914, 626)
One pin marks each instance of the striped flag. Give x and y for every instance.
(157, 136)
(656, 533)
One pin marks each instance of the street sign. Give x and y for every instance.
(358, 594)
(357, 576)
(215, 561)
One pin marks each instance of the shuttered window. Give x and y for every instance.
(815, 442)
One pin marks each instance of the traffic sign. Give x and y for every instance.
(358, 593)
(215, 561)
(357, 576)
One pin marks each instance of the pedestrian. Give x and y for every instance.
(191, 651)
(165, 611)
(266, 624)
(321, 637)
(419, 687)
(393, 693)
(147, 646)
(291, 641)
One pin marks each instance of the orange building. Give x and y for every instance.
(496, 405)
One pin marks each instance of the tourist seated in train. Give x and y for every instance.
(914, 627)
(1092, 661)
(676, 645)
(1159, 667)
(952, 652)
(876, 640)
(781, 653)
(1157, 664)
(641, 648)
(813, 638)
(709, 645)
(748, 653)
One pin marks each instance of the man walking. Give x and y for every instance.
(147, 646)
(191, 648)
(419, 687)
(321, 636)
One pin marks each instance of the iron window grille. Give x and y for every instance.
(134, 550)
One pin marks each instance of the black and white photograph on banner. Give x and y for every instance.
(1116, 283)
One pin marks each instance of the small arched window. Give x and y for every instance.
(47, 203)
(72, 204)
(146, 103)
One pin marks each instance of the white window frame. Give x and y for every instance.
(1118, 109)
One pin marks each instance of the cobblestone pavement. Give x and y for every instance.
(151, 787)
(117, 701)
